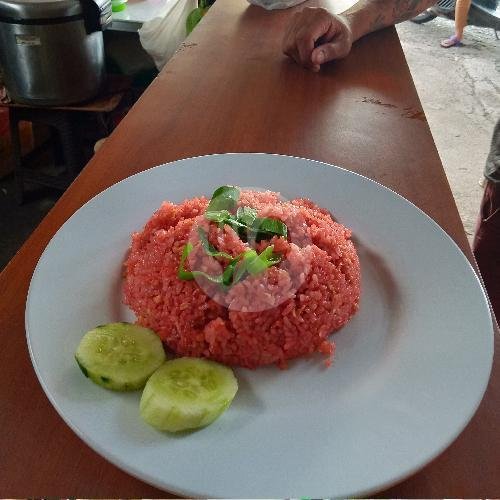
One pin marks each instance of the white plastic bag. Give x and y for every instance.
(276, 4)
(161, 36)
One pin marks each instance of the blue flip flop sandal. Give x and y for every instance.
(453, 41)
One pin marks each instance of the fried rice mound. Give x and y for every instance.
(285, 312)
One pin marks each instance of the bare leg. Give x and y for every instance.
(461, 12)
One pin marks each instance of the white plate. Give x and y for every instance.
(410, 368)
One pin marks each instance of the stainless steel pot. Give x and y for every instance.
(52, 51)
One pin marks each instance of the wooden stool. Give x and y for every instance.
(62, 119)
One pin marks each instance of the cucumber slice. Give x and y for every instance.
(120, 356)
(187, 393)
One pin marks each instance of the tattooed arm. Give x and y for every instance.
(371, 15)
(315, 36)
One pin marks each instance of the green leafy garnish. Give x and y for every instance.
(250, 262)
(218, 216)
(181, 272)
(259, 263)
(247, 262)
(186, 275)
(265, 228)
(248, 225)
(224, 198)
(242, 268)
(246, 215)
(239, 271)
(245, 222)
(210, 249)
(228, 274)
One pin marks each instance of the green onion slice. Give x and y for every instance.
(185, 275)
(248, 262)
(210, 249)
(248, 226)
(228, 274)
(239, 272)
(267, 258)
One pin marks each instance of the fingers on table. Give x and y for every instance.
(304, 30)
(315, 36)
(338, 48)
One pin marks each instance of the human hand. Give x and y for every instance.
(315, 36)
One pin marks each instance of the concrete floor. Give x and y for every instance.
(459, 89)
(460, 93)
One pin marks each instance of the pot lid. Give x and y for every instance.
(26, 10)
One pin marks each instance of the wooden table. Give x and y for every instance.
(230, 89)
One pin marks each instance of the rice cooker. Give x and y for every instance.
(52, 51)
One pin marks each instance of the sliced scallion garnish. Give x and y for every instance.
(239, 271)
(247, 262)
(245, 222)
(186, 275)
(227, 275)
(209, 248)
(258, 263)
